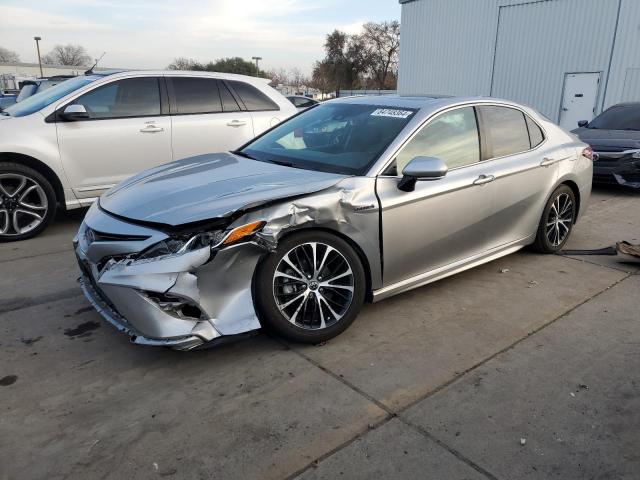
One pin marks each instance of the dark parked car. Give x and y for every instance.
(614, 136)
(302, 103)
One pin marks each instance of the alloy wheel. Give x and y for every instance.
(23, 204)
(559, 219)
(313, 286)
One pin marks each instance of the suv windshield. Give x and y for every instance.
(48, 96)
(335, 137)
(618, 117)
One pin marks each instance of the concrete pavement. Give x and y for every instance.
(440, 382)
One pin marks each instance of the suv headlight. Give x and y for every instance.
(217, 239)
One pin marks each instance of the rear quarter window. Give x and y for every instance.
(254, 100)
(536, 136)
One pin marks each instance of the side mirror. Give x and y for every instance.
(75, 112)
(583, 123)
(421, 168)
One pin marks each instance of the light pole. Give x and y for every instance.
(37, 39)
(257, 59)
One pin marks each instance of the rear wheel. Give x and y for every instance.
(312, 288)
(27, 202)
(557, 221)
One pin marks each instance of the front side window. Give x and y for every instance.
(196, 95)
(506, 130)
(335, 137)
(451, 136)
(131, 97)
(254, 100)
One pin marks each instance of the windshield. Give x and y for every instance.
(335, 137)
(47, 97)
(619, 117)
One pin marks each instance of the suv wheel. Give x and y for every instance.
(312, 288)
(27, 202)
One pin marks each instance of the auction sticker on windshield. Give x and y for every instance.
(390, 112)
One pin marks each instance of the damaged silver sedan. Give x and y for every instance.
(353, 200)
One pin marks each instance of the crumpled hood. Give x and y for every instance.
(207, 187)
(601, 139)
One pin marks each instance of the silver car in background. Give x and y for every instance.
(355, 199)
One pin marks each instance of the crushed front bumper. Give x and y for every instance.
(115, 319)
(180, 301)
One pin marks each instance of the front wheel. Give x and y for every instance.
(27, 202)
(557, 221)
(312, 288)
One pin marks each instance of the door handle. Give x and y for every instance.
(482, 179)
(151, 129)
(236, 123)
(546, 161)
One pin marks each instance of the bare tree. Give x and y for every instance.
(8, 56)
(381, 44)
(184, 63)
(73, 55)
(296, 76)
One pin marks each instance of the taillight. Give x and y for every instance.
(588, 153)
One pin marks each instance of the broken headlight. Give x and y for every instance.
(216, 239)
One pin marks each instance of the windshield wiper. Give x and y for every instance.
(242, 154)
(282, 162)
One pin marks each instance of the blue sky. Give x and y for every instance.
(150, 33)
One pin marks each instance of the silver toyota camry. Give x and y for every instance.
(355, 199)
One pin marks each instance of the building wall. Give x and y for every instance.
(519, 49)
(32, 70)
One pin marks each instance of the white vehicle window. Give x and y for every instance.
(131, 97)
(229, 103)
(254, 100)
(451, 136)
(196, 95)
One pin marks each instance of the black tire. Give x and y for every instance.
(267, 287)
(545, 236)
(8, 203)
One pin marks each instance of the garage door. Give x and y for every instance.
(538, 43)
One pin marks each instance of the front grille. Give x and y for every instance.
(113, 237)
(87, 273)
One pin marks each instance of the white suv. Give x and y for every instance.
(65, 146)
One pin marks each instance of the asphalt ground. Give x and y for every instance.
(526, 367)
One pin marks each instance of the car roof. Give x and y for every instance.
(626, 104)
(190, 73)
(424, 104)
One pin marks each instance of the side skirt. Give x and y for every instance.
(450, 269)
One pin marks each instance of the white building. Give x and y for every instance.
(570, 59)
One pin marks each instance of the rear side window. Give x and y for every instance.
(196, 95)
(254, 100)
(506, 129)
(131, 97)
(229, 103)
(535, 133)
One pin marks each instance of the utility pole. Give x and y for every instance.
(257, 59)
(37, 39)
